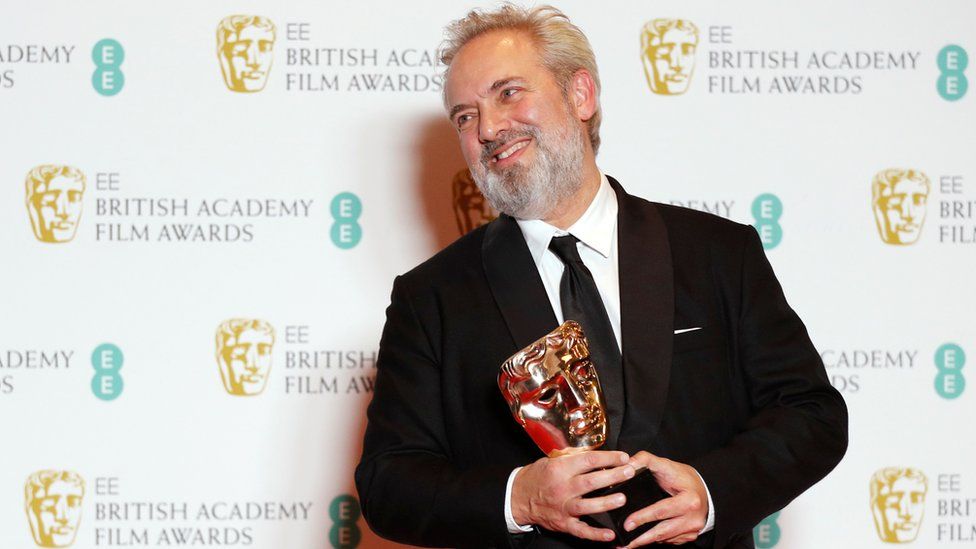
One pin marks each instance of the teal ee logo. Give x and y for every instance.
(952, 83)
(949, 360)
(344, 512)
(107, 361)
(108, 55)
(766, 533)
(346, 209)
(766, 210)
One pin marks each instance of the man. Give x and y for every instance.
(899, 199)
(245, 48)
(244, 355)
(668, 52)
(53, 503)
(54, 201)
(719, 391)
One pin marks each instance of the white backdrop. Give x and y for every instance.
(168, 453)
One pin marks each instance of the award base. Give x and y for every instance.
(641, 491)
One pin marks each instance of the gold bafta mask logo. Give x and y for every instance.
(668, 52)
(471, 208)
(54, 194)
(898, 503)
(244, 355)
(53, 503)
(245, 48)
(554, 393)
(899, 199)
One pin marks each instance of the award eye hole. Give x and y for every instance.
(547, 396)
(583, 372)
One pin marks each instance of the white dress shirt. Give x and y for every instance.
(596, 230)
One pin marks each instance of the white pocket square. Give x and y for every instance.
(685, 330)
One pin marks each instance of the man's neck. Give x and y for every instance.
(573, 208)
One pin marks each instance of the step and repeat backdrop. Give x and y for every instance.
(203, 206)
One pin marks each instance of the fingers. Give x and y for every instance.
(664, 509)
(589, 506)
(680, 516)
(587, 482)
(676, 530)
(587, 461)
(649, 460)
(582, 530)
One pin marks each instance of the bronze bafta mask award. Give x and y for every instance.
(554, 393)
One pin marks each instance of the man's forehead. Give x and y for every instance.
(488, 59)
(63, 181)
(539, 373)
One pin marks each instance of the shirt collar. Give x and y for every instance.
(595, 228)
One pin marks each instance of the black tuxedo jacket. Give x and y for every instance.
(744, 400)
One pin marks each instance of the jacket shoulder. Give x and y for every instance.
(463, 256)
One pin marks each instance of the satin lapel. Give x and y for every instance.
(515, 283)
(646, 316)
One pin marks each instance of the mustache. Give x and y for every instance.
(488, 150)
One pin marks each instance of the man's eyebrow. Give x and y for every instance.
(494, 86)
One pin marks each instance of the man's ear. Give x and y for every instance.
(582, 94)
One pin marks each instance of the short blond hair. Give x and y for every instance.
(563, 47)
(40, 481)
(884, 181)
(39, 177)
(234, 24)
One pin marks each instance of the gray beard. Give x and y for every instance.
(534, 191)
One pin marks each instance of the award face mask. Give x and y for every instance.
(554, 393)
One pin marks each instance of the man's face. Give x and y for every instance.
(904, 211)
(246, 362)
(901, 507)
(55, 514)
(671, 62)
(520, 135)
(246, 58)
(560, 404)
(56, 209)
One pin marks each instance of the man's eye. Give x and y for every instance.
(509, 92)
(463, 120)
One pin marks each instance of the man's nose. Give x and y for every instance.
(251, 360)
(677, 60)
(491, 123)
(61, 206)
(61, 512)
(573, 396)
(904, 507)
(252, 55)
(907, 209)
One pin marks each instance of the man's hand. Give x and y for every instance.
(682, 515)
(548, 493)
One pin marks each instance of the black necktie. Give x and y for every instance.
(581, 302)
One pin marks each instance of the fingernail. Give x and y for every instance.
(624, 458)
(629, 525)
(629, 472)
(608, 536)
(620, 499)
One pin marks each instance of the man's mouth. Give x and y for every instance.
(509, 150)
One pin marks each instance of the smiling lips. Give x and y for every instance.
(510, 150)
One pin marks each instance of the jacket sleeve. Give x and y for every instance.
(797, 427)
(410, 489)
